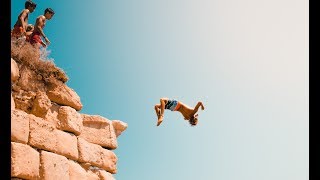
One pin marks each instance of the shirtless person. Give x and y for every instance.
(174, 105)
(35, 38)
(20, 26)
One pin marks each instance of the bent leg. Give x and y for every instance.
(162, 105)
(157, 109)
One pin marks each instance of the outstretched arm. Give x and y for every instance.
(195, 110)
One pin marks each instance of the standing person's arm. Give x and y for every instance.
(39, 24)
(22, 17)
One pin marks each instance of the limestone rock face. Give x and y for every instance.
(52, 114)
(65, 96)
(99, 130)
(41, 104)
(24, 100)
(67, 145)
(13, 106)
(92, 175)
(50, 138)
(70, 120)
(24, 161)
(53, 166)
(97, 156)
(104, 175)
(42, 134)
(76, 172)
(119, 126)
(30, 81)
(19, 126)
(14, 71)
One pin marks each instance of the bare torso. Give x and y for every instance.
(25, 13)
(184, 109)
(40, 22)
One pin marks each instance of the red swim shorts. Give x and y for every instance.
(35, 38)
(17, 31)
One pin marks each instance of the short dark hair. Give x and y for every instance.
(49, 10)
(193, 120)
(29, 27)
(29, 3)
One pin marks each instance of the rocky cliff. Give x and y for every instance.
(50, 138)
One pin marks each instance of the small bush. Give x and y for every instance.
(37, 60)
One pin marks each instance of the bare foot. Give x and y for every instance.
(160, 120)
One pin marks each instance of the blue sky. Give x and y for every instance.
(247, 61)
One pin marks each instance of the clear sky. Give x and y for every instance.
(247, 61)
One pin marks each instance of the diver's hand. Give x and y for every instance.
(202, 107)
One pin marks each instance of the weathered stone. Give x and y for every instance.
(97, 156)
(14, 70)
(42, 134)
(39, 121)
(104, 175)
(19, 126)
(24, 100)
(53, 166)
(28, 80)
(89, 152)
(85, 165)
(99, 130)
(64, 95)
(76, 172)
(92, 175)
(24, 161)
(15, 87)
(70, 120)
(52, 115)
(109, 161)
(41, 104)
(66, 145)
(13, 106)
(119, 126)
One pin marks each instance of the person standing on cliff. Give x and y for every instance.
(174, 105)
(35, 38)
(20, 26)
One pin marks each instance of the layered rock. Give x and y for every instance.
(99, 130)
(64, 95)
(51, 139)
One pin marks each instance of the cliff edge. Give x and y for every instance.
(50, 138)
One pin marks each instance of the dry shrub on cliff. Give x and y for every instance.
(25, 54)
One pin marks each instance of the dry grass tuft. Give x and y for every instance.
(25, 54)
